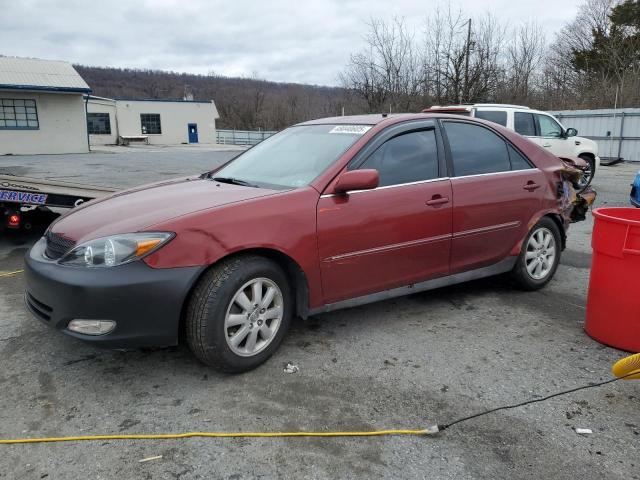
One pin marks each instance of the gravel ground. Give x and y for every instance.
(405, 363)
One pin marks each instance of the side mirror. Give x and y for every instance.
(366, 179)
(571, 132)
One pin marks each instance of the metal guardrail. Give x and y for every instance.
(242, 137)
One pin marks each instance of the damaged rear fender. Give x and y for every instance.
(573, 205)
(553, 215)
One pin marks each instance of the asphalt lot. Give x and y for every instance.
(405, 363)
(120, 167)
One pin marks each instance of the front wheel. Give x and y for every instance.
(239, 313)
(588, 173)
(540, 256)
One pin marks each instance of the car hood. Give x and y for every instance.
(139, 208)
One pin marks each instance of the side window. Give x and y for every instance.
(476, 150)
(495, 116)
(524, 124)
(548, 126)
(518, 161)
(410, 157)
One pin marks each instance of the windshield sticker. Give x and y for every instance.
(351, 129)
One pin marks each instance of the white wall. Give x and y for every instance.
(97, 105)
(174, 117)
(63, 126)
(616, 131)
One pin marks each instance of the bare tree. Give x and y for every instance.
(525, 55)
(462, 57)
(387, 73)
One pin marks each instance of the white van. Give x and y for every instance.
(537, 126)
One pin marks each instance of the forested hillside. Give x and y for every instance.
(243, 103)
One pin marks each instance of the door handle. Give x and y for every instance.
(437, 200)
(531, 186)
(546, 145)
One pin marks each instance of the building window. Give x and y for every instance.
(98, 123)
(150, 123)
(18, 113)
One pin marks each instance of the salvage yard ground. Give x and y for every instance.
(405, 363)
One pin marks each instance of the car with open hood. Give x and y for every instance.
(327, 214)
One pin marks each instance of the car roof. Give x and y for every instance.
(466, 107)
(370, 119)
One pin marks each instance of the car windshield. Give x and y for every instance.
(291, 158)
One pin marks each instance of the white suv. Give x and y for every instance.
(537, 126)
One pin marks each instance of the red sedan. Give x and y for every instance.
(326, 214)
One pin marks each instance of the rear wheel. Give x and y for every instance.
(540, 256)
(239, 313)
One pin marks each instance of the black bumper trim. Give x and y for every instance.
(39, 309)
(146, 303)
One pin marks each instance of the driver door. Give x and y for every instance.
(551, 136)
(393, 235)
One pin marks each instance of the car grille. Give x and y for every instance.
(57, 245)
(39, 309)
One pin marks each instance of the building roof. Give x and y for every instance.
(35, 74)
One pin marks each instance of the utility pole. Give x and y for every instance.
(465, 91)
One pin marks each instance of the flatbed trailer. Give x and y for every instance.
(22, 198)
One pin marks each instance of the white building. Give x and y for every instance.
(41, 107)
(46, 107)
(158, 122)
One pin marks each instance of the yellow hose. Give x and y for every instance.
(627, 366)
(8, 274)
(166, 436)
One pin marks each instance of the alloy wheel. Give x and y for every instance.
(253, 317)
(540, 254)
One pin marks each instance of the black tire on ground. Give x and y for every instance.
(592, 168)
(520, 275)
(208, 305)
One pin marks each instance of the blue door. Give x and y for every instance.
(193, 132)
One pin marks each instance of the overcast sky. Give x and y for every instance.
(283, 40)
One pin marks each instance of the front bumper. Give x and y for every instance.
(145, 302)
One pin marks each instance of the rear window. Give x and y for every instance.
(518, 161)
(495, 116)
(524, 124)
(476, 150)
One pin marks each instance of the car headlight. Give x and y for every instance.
(115, 250)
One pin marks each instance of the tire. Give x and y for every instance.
(524, 274)
(586, 179)
(217, 311)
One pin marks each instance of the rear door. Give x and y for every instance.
(393, 235)
(495, 194)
